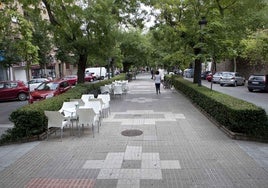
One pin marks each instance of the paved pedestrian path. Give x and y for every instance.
(176, 146)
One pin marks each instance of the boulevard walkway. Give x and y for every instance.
(176, 146)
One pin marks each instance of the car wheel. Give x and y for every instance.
(250, 90)
(22, 96)
(221, 85)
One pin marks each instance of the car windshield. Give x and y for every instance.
(48, 86)
(217, 74)
(256, 78)
(227, 74)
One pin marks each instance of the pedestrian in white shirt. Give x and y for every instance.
(157, 81)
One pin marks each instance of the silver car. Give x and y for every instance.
(232, 78)
(216, 77)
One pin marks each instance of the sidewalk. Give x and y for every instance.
(178, 147)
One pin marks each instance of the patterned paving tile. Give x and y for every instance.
(142, 117)
(133, 164)
(128, 183)
(60, 183)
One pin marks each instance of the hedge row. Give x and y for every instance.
(30, 120)
(234, 114)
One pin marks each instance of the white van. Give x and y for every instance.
(99, 72)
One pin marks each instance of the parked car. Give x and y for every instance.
(188, 73)
(34, 83)
(204, 74)
(89, 77)
(209, 77)
(13, 90)
(49, 89)
(216, 77)
(72, 79)
(232, 78)
(98, 72)
(258, 82)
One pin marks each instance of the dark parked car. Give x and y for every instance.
(258, 82)
(49, 89)
(13, 90)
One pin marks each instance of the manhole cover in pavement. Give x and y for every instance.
(132, 132)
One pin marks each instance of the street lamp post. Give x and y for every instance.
(202, 23)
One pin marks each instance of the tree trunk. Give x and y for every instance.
(81, 68)
(197, 71)
(234, 64)
(197, 66)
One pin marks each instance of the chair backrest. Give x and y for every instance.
(86, 97)
(80, 101)
(71, 104)
(86, 115)
(68, 108)
(55, 118)
(104, 89)
(118, 89)
(105, 97)
(95, 105)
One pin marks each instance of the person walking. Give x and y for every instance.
(157, 81)
(152, 73)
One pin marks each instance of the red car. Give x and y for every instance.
(209, 77)
(72, 79)
(49, 89)
(13, 90)
(89, 78)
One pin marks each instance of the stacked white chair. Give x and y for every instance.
(125, 87)
(86, 97)
(105, 89)
(87, 116)
(117, 89)
(56, 120)
(96, 105)
(68, 109)
(106, 104)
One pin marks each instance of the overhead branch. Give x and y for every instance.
(52, 18)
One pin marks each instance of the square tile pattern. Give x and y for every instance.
(144, 166)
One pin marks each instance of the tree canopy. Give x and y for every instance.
(90, 32)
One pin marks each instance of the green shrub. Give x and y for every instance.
(236, 115)
(30, 120)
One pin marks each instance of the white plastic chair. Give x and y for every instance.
(56, 120)
(117, 90)
(68, 109)
(96, 105)
(125, 87)
(87, 116)
(104, 89)
(106, 104)
(86, 97)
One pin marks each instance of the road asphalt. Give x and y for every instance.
(148, 140)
